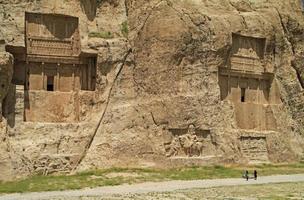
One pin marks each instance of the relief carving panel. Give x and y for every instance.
(247, 53)
(189, 142)
(53, 35)
(254, 148)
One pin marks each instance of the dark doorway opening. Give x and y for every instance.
(243, 93)
(50, 83)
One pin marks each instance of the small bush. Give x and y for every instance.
(103, 34)
(124, 29)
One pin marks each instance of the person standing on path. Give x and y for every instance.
(247, 175)
(255, 174)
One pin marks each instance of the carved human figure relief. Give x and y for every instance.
(187, 142)
(174, 147)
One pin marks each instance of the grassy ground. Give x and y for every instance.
(117, 176)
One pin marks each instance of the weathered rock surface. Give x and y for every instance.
(6, 73)
(162, 78)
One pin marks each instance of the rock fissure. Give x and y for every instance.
(244, 21)
(88, 146)
(149, 14)
(126, 7)
(299, 77)
(189, 70)
(286, 32)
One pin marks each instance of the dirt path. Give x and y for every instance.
(141, 188)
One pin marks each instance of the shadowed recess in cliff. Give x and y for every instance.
(90, 8)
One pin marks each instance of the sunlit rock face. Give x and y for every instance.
(137, 83)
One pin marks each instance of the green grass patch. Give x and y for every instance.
(102, 34)
(117, 176)
(125, 29)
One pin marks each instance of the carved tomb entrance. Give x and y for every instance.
(249, 85)
(52, 68)
(245, 82)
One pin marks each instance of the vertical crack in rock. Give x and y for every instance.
(146, 19)
(300, 79)
(104, 111)
(126, 8)
(153, 119)
(286, 32)
(182, 13)
(244, 21)
(294, 66)
(287, 35)
(281, 21)
(138, 85)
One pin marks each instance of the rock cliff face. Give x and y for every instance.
(6, 73)
(177, 83)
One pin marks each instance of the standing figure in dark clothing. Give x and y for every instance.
(247, 175)
(255, 174)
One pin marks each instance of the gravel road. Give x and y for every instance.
(148, 187)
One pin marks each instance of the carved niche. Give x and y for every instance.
(188, 142)
(51, 34)
(247, 53)
(254, 148)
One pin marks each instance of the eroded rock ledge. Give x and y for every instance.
(149, 83)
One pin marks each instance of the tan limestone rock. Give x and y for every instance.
(177, 83)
